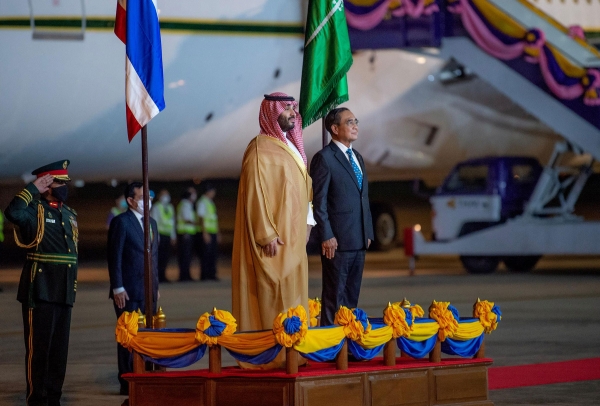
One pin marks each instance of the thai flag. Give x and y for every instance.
(136, 24)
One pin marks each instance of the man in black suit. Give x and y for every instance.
(126, 265)
(341, 207)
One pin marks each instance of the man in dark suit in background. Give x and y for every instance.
(341, 208)
(126, 265)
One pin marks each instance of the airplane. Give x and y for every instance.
(62, 82)
(63, 88)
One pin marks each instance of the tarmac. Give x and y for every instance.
(550, 314)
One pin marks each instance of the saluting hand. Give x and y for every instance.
(328, 248)
(270, 250)
(43, 183)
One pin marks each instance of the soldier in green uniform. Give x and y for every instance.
(47, 229)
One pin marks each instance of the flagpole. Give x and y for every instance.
(149, 311)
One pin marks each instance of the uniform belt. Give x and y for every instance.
(52, 258)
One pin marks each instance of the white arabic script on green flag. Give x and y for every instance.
(327, 59)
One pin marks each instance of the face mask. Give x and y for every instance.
(140, 206)
(165, 200)
(60, 193)
(123, 204)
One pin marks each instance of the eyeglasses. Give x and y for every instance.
(59, 181)
(351, 122)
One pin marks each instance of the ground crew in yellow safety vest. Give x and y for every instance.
(207, 214)
(47, 229)
(164, 214)
(120, 207)
(187, 223)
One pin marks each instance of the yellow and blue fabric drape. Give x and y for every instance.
(415, 335)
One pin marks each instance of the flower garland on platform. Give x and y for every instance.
(314, 309)
(291, 327)
(488, 315)
(127, 328)
(212, 326)
(443, 314)
(354, 322)
(396, 317)
(366, 337)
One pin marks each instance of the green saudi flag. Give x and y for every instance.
(327, 59)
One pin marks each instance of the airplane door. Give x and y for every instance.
(57, 19)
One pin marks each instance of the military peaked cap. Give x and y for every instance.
(57, 169)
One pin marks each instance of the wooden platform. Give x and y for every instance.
(409, 382)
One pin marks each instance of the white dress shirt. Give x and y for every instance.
(138, 216)
(310, 219)
(187, 211)
(344, 149)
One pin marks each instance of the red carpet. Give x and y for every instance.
(544, 374)
(498, 377)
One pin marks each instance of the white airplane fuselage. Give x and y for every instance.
(64, 99)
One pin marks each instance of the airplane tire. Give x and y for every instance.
(523, 263)
(384, 228)
(480, 265)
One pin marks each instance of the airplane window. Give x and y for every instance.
(68, 14)
(468, 179)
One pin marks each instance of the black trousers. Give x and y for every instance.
(124, 357)
(164, 253)
(46, 331)
(185, 250)
(208, 260)
(342, 276)
(198, 247)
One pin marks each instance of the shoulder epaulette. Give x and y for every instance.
(25, 195)
(70, 209)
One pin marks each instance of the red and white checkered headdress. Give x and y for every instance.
(270, 110)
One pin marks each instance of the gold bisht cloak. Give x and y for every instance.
(273, 198)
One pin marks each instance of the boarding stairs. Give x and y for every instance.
(451, 29)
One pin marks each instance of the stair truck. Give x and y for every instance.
(509, 209)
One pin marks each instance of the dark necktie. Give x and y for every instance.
(355, 168)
